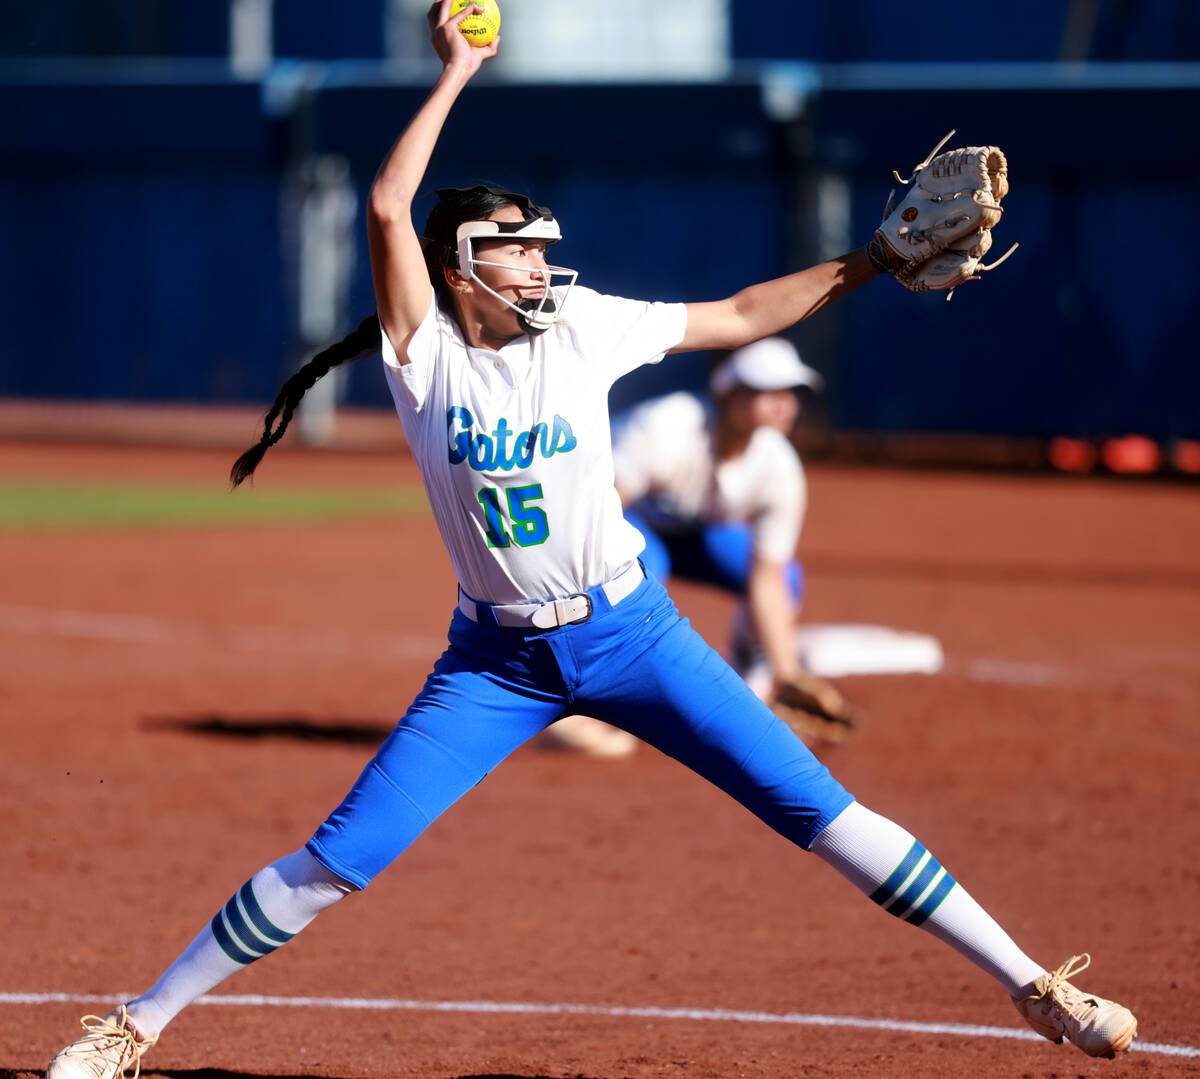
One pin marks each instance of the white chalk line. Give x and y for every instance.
(1025, 673)
(494, 1007)
(146, 629)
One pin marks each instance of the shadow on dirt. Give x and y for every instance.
(356, 732)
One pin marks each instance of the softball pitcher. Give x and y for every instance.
(500, 365)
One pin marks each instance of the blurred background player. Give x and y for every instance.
(718, 492)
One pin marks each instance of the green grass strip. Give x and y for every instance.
(50, 505)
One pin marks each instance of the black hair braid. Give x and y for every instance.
(363, 339)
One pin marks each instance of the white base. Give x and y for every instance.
(833, 651)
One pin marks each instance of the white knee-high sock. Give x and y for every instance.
(267, 911)
(898, 873)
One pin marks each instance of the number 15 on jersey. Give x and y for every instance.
(511, 516)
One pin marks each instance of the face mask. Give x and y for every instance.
(534, 316)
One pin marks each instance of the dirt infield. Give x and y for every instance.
(183, 706)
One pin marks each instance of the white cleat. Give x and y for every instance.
(583, 734)
(109, 1048)
(1057, 1010)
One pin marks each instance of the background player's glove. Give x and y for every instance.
(936, 238)
(814, 709)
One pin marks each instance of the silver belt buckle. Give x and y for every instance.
(555, 612)
(587, 613)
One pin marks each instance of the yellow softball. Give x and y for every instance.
(478, 29)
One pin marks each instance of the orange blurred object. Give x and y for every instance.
(1131, 455)
(1072, 454)
(1185, 456)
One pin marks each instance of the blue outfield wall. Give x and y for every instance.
(144, 254)
(1090, 327)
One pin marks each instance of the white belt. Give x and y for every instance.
(554, 612)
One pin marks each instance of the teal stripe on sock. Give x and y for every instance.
(226, 941)
(913, 892)
(261, 922)
(888, 888)
(917, 917)
(243, 932)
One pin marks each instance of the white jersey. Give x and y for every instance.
(664, 454)
(515, 448)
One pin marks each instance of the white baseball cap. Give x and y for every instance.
(770, 364)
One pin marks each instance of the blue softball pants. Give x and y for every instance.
(638, 666)
(719, 553)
